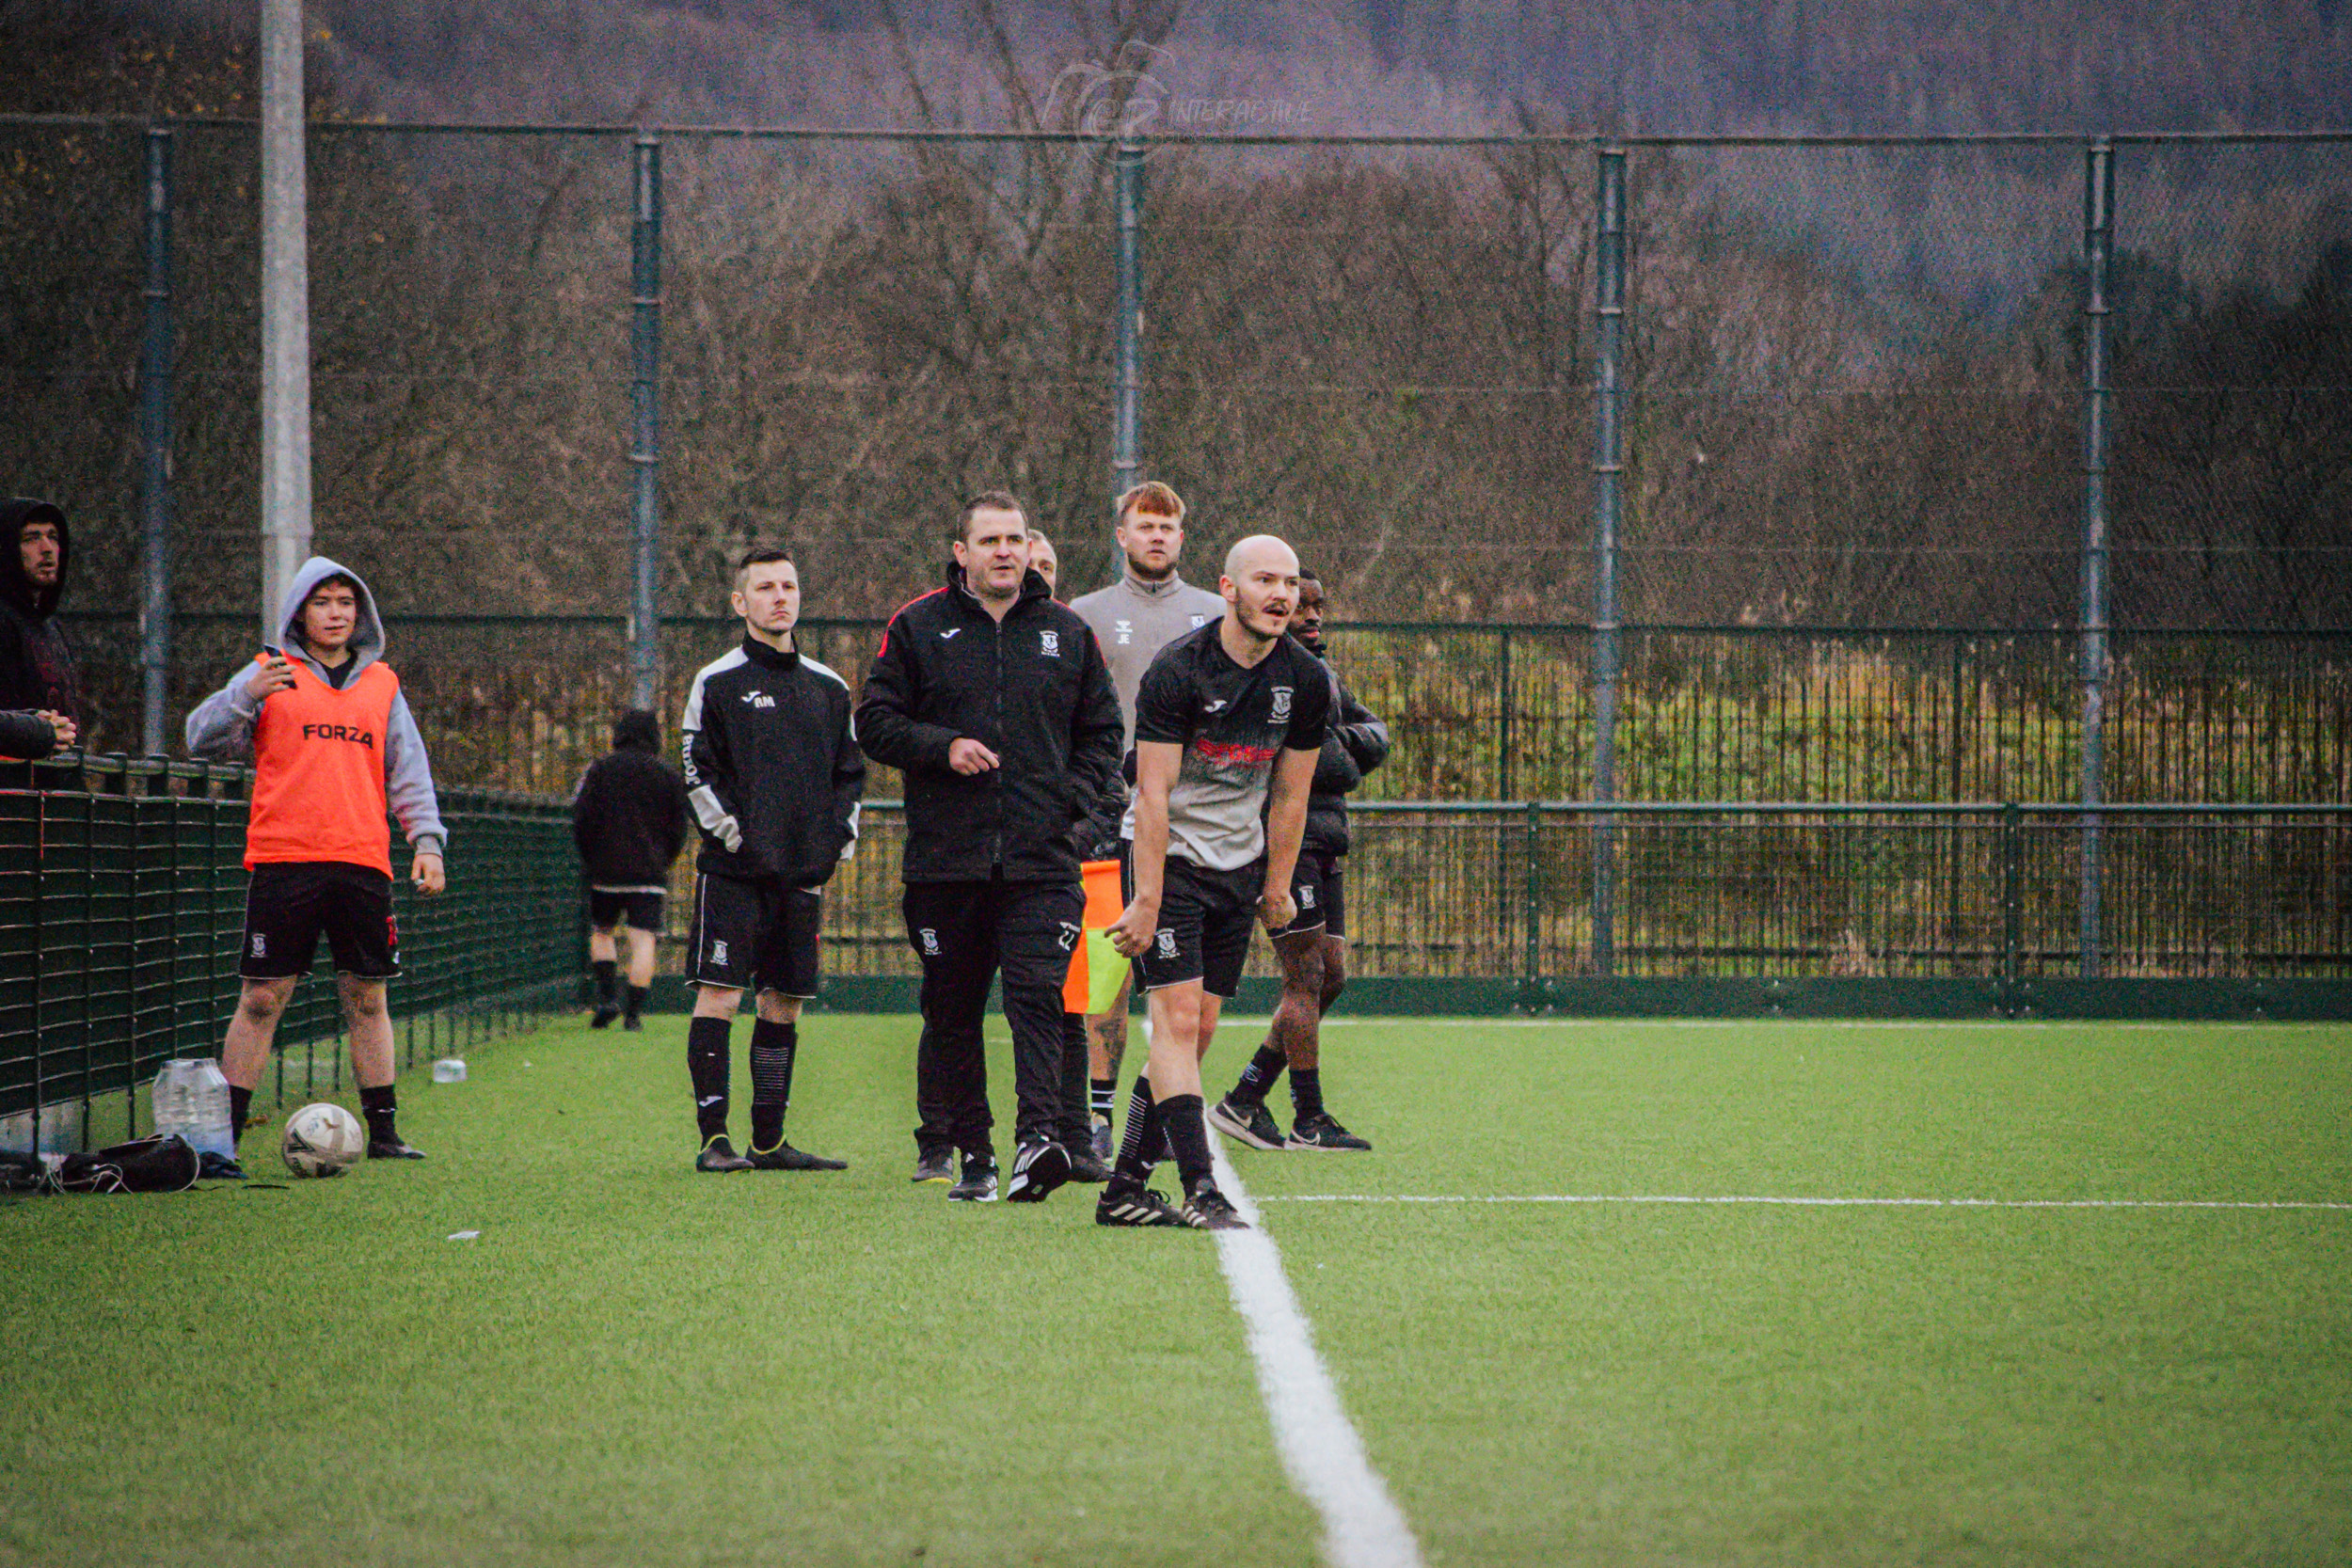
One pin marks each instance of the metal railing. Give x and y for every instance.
(1543, 904)
(1495, 711)
(122, 902)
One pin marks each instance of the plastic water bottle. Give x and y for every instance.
(175, 1110)
(192, 1099)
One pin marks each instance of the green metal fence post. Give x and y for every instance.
(1503, 730)
(1126, 325)
(1607, 505)
(156, 449)
(1531, 963)
(2012, 899)
(2098, 246)
(645, 399)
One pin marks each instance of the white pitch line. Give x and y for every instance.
(1820, 1202)
(2150, 1026)
(1362, 1526)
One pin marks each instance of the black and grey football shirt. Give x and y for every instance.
(1233, 724)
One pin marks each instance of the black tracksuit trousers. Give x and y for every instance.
(964, 933)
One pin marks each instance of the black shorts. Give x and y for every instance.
(607, 907)
(1319, 888)
(753, 936)
(289, 903)
(1205, 920)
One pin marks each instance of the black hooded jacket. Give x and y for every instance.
(36, 666)
(629, 814)
(1356, 743)
(1034, 690)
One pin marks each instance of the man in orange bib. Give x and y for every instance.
(333, 746)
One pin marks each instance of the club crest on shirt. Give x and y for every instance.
(1281, 702)
(1049, 643)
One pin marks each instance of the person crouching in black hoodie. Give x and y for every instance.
(628, 819)
(37, 674)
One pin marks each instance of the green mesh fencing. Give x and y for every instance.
(122, 900)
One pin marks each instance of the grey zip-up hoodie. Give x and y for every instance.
(1134, 621)
(221, 728)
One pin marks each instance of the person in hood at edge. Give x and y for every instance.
(332, 745)
(40, 703)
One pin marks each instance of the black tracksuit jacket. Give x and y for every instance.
(1356, 744)
(1034, 690)
(771, 756)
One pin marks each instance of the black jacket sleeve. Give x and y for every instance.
(1336, 772)
(886, 727)
(710, 767)
(674, 817)
(27, 737)
(1097, 730)
(1366, 738)
(849, 773)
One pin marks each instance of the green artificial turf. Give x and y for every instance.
(636, 1365)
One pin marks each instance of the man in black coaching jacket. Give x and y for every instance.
(995, 702)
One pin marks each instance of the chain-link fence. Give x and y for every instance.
(1854, 387)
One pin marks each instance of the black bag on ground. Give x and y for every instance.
(163, 1164)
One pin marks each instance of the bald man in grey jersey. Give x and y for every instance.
(1146, 610)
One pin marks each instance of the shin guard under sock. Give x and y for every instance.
(607, 973)
(1188, 1136)
(637, 995)
(707, 1063)
(1141, 1119)
(773, 1046)
(379, 1108)
(1307, 1092)
(1258, 1076)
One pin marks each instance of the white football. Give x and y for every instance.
(323, 1140)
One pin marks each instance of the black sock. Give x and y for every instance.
(1188, 1136)
(1132, 1162)
(1258, 1076)
(637, 995)
(772, 1048)
(606, 972)
(1102, 1096)
(378, 1106)
(240, 1101)
(706, 1061)
(1306, 1091)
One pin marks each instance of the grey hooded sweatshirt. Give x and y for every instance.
(221, 728)
(1134, 621)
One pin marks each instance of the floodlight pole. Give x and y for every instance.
(2098, 251)
(645, 617)
(285, 312)
(1126, 320)
(156, 449)
(1607, 506)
